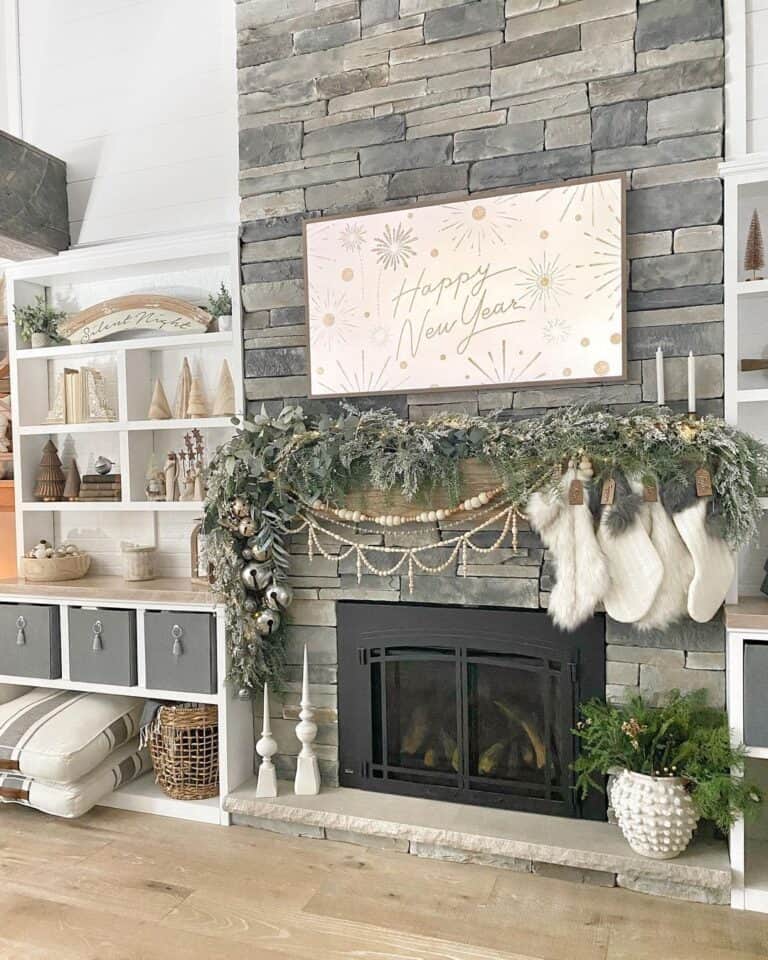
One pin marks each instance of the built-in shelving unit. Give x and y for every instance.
(187, 266)
(746, 406)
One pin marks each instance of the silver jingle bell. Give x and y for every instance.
(256, 576)
(240, 508)
(245, 693)
(246, 528)
(267, 622)
(260, 554)
(278, 596)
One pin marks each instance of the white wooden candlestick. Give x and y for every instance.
(307, 781)
(266, 747)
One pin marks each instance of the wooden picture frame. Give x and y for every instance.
(560, 246)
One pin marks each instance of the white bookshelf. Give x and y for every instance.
(188, 266)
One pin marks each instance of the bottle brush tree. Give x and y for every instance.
(754, 256)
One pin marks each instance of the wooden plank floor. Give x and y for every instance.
(121, 886)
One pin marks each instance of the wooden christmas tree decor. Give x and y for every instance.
(183, 388)
(72, 484)
(754, 256)
(158, 407)
(50, 477)
(197, 406)
(224, 398)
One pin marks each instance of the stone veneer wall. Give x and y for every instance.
(360, 104)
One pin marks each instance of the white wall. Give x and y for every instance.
(139, 98)
(757, 75)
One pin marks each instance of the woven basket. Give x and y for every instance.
(184, 746)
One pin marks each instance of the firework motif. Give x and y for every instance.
(589, 198)
(352, 238)
(556, 330)
(395, 247)
(605, 263)
(496, 366)
(476, 226)
(332, 319)
(380, 336)
(365, 376)
(544, 282)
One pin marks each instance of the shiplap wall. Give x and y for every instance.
(139, 98)
(757, 75)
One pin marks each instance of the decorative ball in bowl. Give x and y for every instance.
(47, 564)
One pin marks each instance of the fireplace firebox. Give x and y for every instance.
(472, 705)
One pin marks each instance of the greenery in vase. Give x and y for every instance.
(221, 304)
(39, 317)
(278, 466)
(683, 737)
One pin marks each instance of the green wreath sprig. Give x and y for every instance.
(274, 466)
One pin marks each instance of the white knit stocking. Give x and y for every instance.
(712, 560)
(671, 601)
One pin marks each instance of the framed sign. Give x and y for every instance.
(520, 288)
(138, 311)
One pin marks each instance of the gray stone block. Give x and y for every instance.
(430, 851)
(546, 104)
(564, 14)
(561, 871)
(568, 131)
(513, 138)
(680, 52)
(679, 297)
(619, 124)
(596, 33)
(562, 396)
(34, 218)
(677, 270)
(272, 388)
(276, 362)
(665, 22)
(378, 96)
(624, 673)
(273, 270)
(649, 244)
(352, 81)
(705, 661)
(565, 40)
(684, 635)
(262, 51)
(472, 121)
(281, 249)
(464, 20)
(359, 133)
(275, 228)
(320, 641)
(286, 316)
(611, 61)
(305, 177)
(289, 95)
(265, 206)
(617, 653)
(709, 379)
(676, 173)
(693, 75)
(664, 887)
(435, 66)
(474, 590)
(675, 341)
(361, 194)
(265, 296)
(397, 157)
(669, 207)
(699, 111)
(656, 318)
(272, 144)
(531, 168)
(397, 844)
(693, 239)
(323, 38)
(656, 683)
(280, 826)
(434, 180)
(677, 150)
(373, 12)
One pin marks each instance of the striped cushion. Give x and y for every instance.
(74, 799)
(60, 735)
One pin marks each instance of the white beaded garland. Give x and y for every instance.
(397, 520)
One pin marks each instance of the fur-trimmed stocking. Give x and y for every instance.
(634, 566)
(712, 559)
(671, 601)
(581, 572)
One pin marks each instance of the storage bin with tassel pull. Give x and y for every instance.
(184, 745)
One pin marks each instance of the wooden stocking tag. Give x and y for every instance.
(703, 482)
(650, 493)
(576, 493)
(609, 492)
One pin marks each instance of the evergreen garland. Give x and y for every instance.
(275, 466)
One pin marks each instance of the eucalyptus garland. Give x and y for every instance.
(274, 468)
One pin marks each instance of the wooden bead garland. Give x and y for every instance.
(397, 520)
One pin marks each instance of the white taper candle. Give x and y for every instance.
(691, 383)
(661, 397)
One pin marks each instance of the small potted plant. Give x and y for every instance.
(675, 764)
(38, 323)
(220, 307)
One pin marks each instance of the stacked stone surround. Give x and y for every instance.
(361, 104)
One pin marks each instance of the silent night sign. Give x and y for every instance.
(519, 288)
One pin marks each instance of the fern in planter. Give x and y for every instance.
(683, 737)
(39, 318)
(221, 304)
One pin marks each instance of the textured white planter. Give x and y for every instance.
(225, 322)
(40, 340)
(656, 814)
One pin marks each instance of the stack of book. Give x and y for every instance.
(94, 486)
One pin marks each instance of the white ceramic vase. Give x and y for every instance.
(656, 814)
(40, 340)
(225, 323)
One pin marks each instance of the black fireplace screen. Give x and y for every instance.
(465, 704)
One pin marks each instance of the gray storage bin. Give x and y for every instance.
(30, 642)
(755, 685)
(102, 646)
(181, 651)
